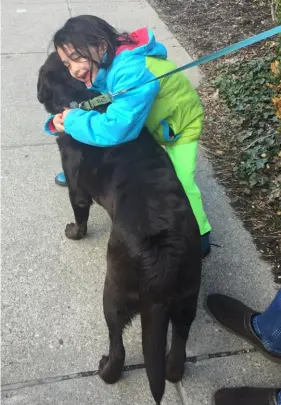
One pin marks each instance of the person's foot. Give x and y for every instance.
(246, 396)
(236, 317)
(60, 180)
(205, 245)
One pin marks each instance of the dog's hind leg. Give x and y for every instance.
(118, 312)
(182, 316)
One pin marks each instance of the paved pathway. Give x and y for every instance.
(52, 321)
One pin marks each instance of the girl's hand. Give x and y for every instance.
(64, 114)
(58, 122)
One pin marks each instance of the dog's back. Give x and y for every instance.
(139, 188)
(154, 251)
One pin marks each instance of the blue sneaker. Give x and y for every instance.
(205, 244)
(60, 180)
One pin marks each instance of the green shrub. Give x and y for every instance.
(246, 87)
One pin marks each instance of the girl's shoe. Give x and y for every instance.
(205, 244)
(60, 180)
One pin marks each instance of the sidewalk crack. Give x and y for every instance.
(83, 374)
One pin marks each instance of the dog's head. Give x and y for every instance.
(56, 88)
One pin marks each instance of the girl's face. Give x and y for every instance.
(79, 67)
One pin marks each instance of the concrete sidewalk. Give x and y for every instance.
(53, 331)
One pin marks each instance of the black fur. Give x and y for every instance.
(154, 250)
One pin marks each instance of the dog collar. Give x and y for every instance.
(93, 102)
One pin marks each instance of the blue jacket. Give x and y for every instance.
(175, 103)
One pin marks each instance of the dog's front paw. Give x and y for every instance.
(110, 373)
(74, 232)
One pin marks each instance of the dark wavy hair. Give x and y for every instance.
(85, 31)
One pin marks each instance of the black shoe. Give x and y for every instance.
(236, 317)
(246, 396)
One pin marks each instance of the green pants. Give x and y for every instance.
(184, 161)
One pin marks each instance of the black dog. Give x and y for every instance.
(154, 250)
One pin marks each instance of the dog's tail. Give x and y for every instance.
(155, 321)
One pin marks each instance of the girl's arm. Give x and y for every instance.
(125, 117)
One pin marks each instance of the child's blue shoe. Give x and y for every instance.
(205, 244)
(60, 180)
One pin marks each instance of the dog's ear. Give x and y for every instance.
(44, 92)
(46, 81)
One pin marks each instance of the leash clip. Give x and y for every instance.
(73, 104)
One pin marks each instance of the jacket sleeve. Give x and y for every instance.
(125, 116)
(49, 127)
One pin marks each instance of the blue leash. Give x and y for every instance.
(107, 98)
(228, 49)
